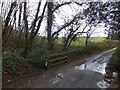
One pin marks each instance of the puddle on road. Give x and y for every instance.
(97, 66)
(102, 84)
(57, 78)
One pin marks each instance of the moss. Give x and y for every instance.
(115, 59)
(36, 56)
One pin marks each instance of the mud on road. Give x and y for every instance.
(79, 74)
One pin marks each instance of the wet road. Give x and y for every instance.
(87, 75)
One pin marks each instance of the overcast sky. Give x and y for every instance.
(66, 12)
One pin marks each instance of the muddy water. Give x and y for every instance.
(97, 64)
(87, 75)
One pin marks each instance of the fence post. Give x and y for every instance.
(46, 62)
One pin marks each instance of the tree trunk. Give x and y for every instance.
(86, 41)
(19, 25)
(49, 26)
(26, 29)
(32, 35)
(35, 32)
(5, 30)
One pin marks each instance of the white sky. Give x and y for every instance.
(65, 11)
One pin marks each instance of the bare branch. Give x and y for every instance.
(65, 25)
(40, 21)
(59, 5)
(35, 20)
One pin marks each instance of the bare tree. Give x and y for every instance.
(72, 34)
(88, 34)
(19, 24)
(49, 25)
(34, 31)
(51, 9)
(7, 28)
(24, 33)
(26, 27)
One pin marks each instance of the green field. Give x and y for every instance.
(80, 41)
(97, 39)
